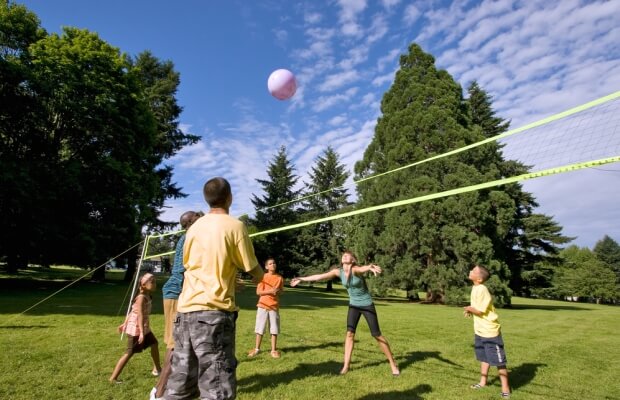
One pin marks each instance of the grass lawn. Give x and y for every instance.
(67, 346)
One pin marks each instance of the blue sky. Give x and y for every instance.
(535, 58)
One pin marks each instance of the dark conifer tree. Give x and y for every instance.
(320, 245)
(277, 208)
(431, 245)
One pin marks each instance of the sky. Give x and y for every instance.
(534, 58)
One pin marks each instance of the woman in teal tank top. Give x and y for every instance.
(360, 303)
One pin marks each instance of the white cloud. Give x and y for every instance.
(338, 80)
(351, 147)
(378, 29)
(383, 79)
(312, 17)
(337, 120)
(325, 102)
(281, 36)
(368, 99)
(390, 3)
(350, 9)
(411, 15)
(387, 59)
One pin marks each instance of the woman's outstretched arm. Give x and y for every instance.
(317, 277)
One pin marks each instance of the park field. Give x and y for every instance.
(67, 346)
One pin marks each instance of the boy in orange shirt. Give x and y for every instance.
(268, 290)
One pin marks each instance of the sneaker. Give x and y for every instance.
(275, 354)
(505, 395)
(253, 352)
(155, 372)
(152, 394)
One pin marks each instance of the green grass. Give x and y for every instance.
(67, 346)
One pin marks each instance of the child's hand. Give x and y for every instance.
(121, 328)
(295, 282)
(468, 311)
(141, 338)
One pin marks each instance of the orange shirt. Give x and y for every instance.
(270, 301)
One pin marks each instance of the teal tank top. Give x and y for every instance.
(358, 291)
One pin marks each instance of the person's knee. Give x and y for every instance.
(379, 338)
(350, 335)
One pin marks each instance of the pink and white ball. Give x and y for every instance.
(282, 84)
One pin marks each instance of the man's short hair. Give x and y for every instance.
(217, 192)
(187, 219)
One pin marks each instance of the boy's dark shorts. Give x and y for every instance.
(134, 347)
(490, 350)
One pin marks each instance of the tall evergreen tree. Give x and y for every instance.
(608, 251)
(320, 245)
(431, 245)
(482, 113)
(276, 208)
(532, 240)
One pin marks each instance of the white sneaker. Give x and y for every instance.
(152, 394)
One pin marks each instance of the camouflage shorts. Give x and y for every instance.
(203, 361)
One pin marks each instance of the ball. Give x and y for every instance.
(282, 84)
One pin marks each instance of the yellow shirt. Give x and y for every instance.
(486, 325)
(216, 246)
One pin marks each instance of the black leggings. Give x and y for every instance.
(369, 312)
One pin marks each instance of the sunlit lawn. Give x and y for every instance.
(67, 346)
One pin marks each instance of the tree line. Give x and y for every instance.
(430, 246)
(85, 131)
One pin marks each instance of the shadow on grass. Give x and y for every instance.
(43, 297)
(411, 394)
(523, 374)
(84, 297)
(301, 349)
(419, 356)
(548, 307)
(257, 382)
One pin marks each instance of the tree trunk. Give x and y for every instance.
(132, 262)
(99, 274)
(15, 262)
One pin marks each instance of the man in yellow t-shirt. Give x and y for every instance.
(488, 342)
(216, 247)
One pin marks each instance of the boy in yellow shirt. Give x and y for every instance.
(488, 342)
